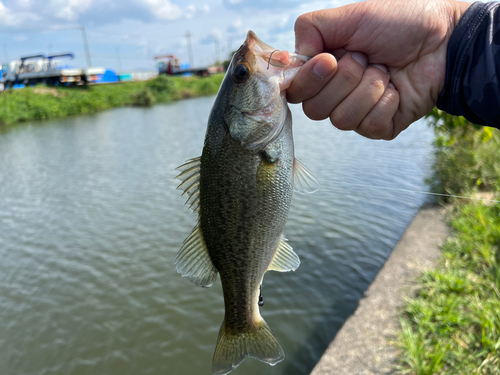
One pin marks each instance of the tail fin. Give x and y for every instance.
(232, 348)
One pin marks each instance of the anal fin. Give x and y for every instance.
(193, 261)
(285, 258)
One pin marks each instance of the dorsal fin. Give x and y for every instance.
(285, 258)
(190, 176)
(193, 261)
(303, 179)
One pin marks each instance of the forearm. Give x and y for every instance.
(472, 86)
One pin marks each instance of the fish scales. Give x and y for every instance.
(241, 187)
(242, 217)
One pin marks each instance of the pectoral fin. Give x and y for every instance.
(190, 176)
(193, 261)
(285, 258)
(303, 179)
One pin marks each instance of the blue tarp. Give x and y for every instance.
(108, 76)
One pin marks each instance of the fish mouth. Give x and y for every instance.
(274, 57)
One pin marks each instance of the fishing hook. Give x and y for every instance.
(271, 55)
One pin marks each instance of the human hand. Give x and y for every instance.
(391, 63)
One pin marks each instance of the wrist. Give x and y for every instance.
(459, 8)
(455, 11)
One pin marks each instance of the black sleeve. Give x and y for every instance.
(472, 86)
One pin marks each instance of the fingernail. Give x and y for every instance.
(390, 84)
(305, 49)
(322, 68)
(382, 67)
(361, 58)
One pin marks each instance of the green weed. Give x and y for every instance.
(41, 102)
(467, 155)
(452, 325)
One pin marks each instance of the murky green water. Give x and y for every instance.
(90, 223)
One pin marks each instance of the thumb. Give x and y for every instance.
(326, 30)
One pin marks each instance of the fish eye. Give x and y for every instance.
(241, 73)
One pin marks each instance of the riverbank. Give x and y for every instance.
(441, 318)
(452, 325)
(364, 343)
(42, 102)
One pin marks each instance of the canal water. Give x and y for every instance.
(91, 221)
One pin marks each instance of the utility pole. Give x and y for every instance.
(190, 49)
(50, 48)
(217, 49)
(119, 59)
(87, 53)
(5, 52)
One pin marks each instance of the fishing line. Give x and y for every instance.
(420, 192)
(271, 55)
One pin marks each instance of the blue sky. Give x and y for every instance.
(126, 34)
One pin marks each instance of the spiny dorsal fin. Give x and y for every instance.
(285, 258)
(303, 179)
(193, 260)
(190, 176)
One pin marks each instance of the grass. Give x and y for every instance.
(452, 325)
(41, 102)
(467, 156)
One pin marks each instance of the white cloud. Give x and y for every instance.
(10, 17)
(142, 28)
(163, 9)
(6, 15)
(69, 9)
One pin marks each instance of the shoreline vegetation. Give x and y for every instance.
(42, 102)
(452, 324)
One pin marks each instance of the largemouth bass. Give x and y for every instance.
(241, 188)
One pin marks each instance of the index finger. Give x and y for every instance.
(311, 78)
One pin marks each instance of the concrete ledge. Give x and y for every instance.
(362, 345)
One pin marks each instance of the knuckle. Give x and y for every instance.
(375, 80)
(314, 110)
(341, 118)
(374, 129)
(351, 74)
(303, 22)
(390, 98)
(376, 85)
(299, 92)
(306, 90)
(378, 124)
